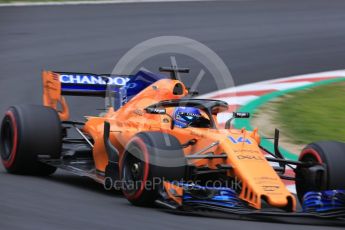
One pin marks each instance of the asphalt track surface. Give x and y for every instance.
(259, 40)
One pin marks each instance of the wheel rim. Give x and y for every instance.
(133, 171)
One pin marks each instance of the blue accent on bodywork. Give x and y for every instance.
(219, 196)
(134, 85)
(324, 201)
(85, 87)
(140, 81)
(124, 87)
(239, 140)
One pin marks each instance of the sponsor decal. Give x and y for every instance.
(246, 151)
(156, 110)
(93, 80)
(139, 112)
(241, 115)
(265, 180)
(249, 157)
(189, 116)
(240, 140)
(270, 188)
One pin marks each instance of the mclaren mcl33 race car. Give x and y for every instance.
(161, 146)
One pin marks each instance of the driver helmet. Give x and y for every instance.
(184, 116)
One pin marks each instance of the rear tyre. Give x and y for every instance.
(328, 174)
(26, 132)
(150, 158)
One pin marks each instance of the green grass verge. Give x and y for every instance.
(314, 114)
(254, 106)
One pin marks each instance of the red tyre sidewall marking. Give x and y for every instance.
(142, 147)
(9, 162)
(312, 152)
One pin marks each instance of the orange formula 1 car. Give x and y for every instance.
(162, 147)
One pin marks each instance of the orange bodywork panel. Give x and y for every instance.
(248, 163)
(174, 192)
(130, 119)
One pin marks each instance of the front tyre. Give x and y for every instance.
(328, 158)
(26, 132)
(150, 158)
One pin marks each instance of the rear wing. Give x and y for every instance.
(56, 85)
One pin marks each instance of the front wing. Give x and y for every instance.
(318, 208)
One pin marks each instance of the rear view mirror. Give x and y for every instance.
(236, 115)
(240, 115)
(155, 110)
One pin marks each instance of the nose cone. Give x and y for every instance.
(259, 179)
